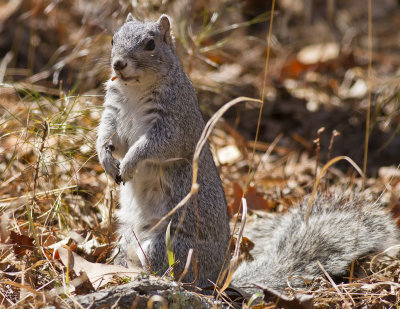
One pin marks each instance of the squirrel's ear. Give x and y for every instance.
(165, 26)
(130, 18)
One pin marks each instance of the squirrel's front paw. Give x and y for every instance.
(111, 166)
(127, 170)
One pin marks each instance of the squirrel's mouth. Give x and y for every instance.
(128, 78)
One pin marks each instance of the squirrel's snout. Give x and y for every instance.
(119, 64)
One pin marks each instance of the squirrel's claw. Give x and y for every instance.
(118, 179)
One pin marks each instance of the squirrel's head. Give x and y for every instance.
(143, 52)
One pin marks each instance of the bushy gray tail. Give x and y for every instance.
(338, 231)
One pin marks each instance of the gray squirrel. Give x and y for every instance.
(151, 123)
(146, 140)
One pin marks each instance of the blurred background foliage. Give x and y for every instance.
(317, 75)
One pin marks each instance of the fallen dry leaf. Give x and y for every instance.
(21, 243)
(255, 201)
(233, 208)
(246, 245)
(98, 274)
(293, 69)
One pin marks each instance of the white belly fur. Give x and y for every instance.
(142, 205)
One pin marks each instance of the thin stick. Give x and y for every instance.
(144, 254)
(330, 148)
(317, 143)
(334, 134)
(262, 95)
(367, 124)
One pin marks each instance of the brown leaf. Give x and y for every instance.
(256, 201)
(293, 69)
(395, 210)
(233, 208)
(21, 243)
(245, 247)
(216, 58)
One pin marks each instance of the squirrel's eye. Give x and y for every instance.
(150, 45)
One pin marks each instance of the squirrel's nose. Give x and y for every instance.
(119, 65)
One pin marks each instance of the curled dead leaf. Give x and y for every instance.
(98, 274)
